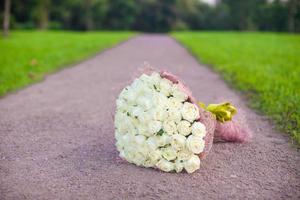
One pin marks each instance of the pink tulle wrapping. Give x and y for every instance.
(232, 131)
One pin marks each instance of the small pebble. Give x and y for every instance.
(233, 176)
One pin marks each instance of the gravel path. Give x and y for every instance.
(57, 137)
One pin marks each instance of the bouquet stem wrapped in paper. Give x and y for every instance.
(160, 124)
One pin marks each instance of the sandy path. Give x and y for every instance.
(57, 137)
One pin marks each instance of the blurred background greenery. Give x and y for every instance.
(156, 15)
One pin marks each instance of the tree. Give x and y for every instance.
(89, 23)
(243, 12)
(272, 16)
(42, 13)
(152, 15)
(297, 18)
(6, 17)
(292, 12)
(187, 14)
(155, 15)
(120, 14)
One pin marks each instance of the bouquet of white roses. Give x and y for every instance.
(158, 124)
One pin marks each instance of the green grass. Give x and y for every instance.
(27, 56)
(265, 66)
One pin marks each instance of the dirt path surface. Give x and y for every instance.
(57, 137)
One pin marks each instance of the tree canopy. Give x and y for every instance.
(156, 15)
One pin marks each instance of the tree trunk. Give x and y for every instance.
(7, 4)
(44, 14)
(89, 24)
(292, 10)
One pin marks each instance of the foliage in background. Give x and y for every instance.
(156, 15)
(27, 56)
(266, 66)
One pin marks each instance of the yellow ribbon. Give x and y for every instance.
(223, 112)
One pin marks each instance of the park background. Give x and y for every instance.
(155, 15)
(253, 44)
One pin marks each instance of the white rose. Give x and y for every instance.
(178, 141)
(158, 99)
(144, 78)
(124, 125)
(148, 92)
(124, 93)
(165, 86)
(137, 83)
(127, 139)
(154, 156)
(144, 117)
(126, 156)
(130, 95)
(184, 128)
(130, 156)
(144, 102)
(198, 129)
(131, 129)
(190, 112)
(138, 87)
(163, 140)
(175, 115)
(149, 163)
(159, 113)
(154, 126)
(152, 143)
(165, 165)
(178, 166)
(122, 154)
(177, 93)
(138, 158)
(119, 118)
(119, 145)
(143, 130)
(135, 122)
(184, 154)
(169, 153)
(139, 139)
(192, 164)
(169, 127)
(118, 135)
(121, 105)
(155, 78)
(143, 149)
(137, 111)
(174, 103)
(195, 144)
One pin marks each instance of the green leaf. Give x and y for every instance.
(160, 132)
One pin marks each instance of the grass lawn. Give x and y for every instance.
(27, 56)
(265, 66)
